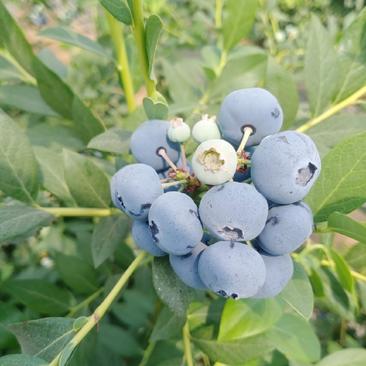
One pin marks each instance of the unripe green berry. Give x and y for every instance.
(179, 131)
(206, 129)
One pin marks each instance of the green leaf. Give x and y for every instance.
(356, 257)
(295, 338)
(88, 184)
(9, 313)
(115, 140)
(21, 221)
(168, 326)
(238, 21)
(246, 318)
(237, 351)
(26, 98)
(68, 36)
(155, 110)
(345, 225)
(152, 32)
(345, 357)
(40, 295)
(119, 9)
(343, 272)
(8, 71)
(43, 338)
(316, 283)
(321, 68)
(298, 294)
(21, 360)
(79, 275)
(19, 169)
(342, 182)
(282, 85)
(172, 291)
(107, 235)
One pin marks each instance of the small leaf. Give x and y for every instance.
(298, 294)
(21, 221)
(8, 71)
(115, 140)
(342, 183)
(345, 357)
(168, 326)
(21, 360)
(152, 31)
(155, 110)
(238, 21)
(107, 235)
(40, 295)
(43, 338)
(170, 288)
(19, 169)
(88, 184)
(343, 272)
(356, 257)
(345, 225)
(119, 9)
(316, 283)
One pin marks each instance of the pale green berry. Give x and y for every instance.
(214, 162)
(179, 131)
(206, 129)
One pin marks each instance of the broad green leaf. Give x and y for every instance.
(342, 182)
(282, 85)
(66, 35)
(167, 326)
(244, 318)
(115, 140)
(88, 184)
(163, 353)
(329, 133)
(343, 271)
(53, 174)
(9, 313)
(172, 291)
(298, 294)
(237, 351)
(119, 9)
(21, 221)
(345, 225)
(107, 235)
(25, 98)
(356, 257)
(152, 31)
(40, 295)
(43, 338)
(8, 71)
(238, 21)
(21, 360)
(155, 110)
(19, 169)
(321, 68)
(294, 337)
(79, 275)
(345, 357)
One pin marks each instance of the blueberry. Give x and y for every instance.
(234, 211)
(134, 188)
(174, 223)
(287, 227)
(241, 176)
(279, 270)
(285, 166)
(186, 266)
(141, 234)
(232, 269)
(149, 137)
(179, 131)
(206, 129)
(254, 107)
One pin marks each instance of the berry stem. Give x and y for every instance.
(172, 184)
(247, 132)
(184, 157)
(187, 345)
(101, 310)
(164, 155)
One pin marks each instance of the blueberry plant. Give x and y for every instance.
(189, 190)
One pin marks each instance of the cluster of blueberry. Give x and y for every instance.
(230, 218)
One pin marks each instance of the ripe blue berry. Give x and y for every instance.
(232, 269)
(279, 270)
(146, 141)
(253, 107)
(287, 227)
(141, 234)
(285, 166)
(134, 188)
(186, 266)
(174, 223)
(234, 211)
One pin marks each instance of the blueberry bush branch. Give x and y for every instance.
(187, 345)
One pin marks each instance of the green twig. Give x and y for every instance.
(80, 211)
(218, 14)
(187, 345)
(74, 310)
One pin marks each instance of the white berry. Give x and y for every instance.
(178, 131)
(206, 129)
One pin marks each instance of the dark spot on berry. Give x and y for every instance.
(186, 255)
(154, 231)
(220, 188)
(189, 246)
(234, 296)
(145, 206)
(232, 233)
(222, 293)
(284, 139)
(120, 200)
(275, 113)
(193, 212)
(273, 220)
(232, 244)
(305, 175)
